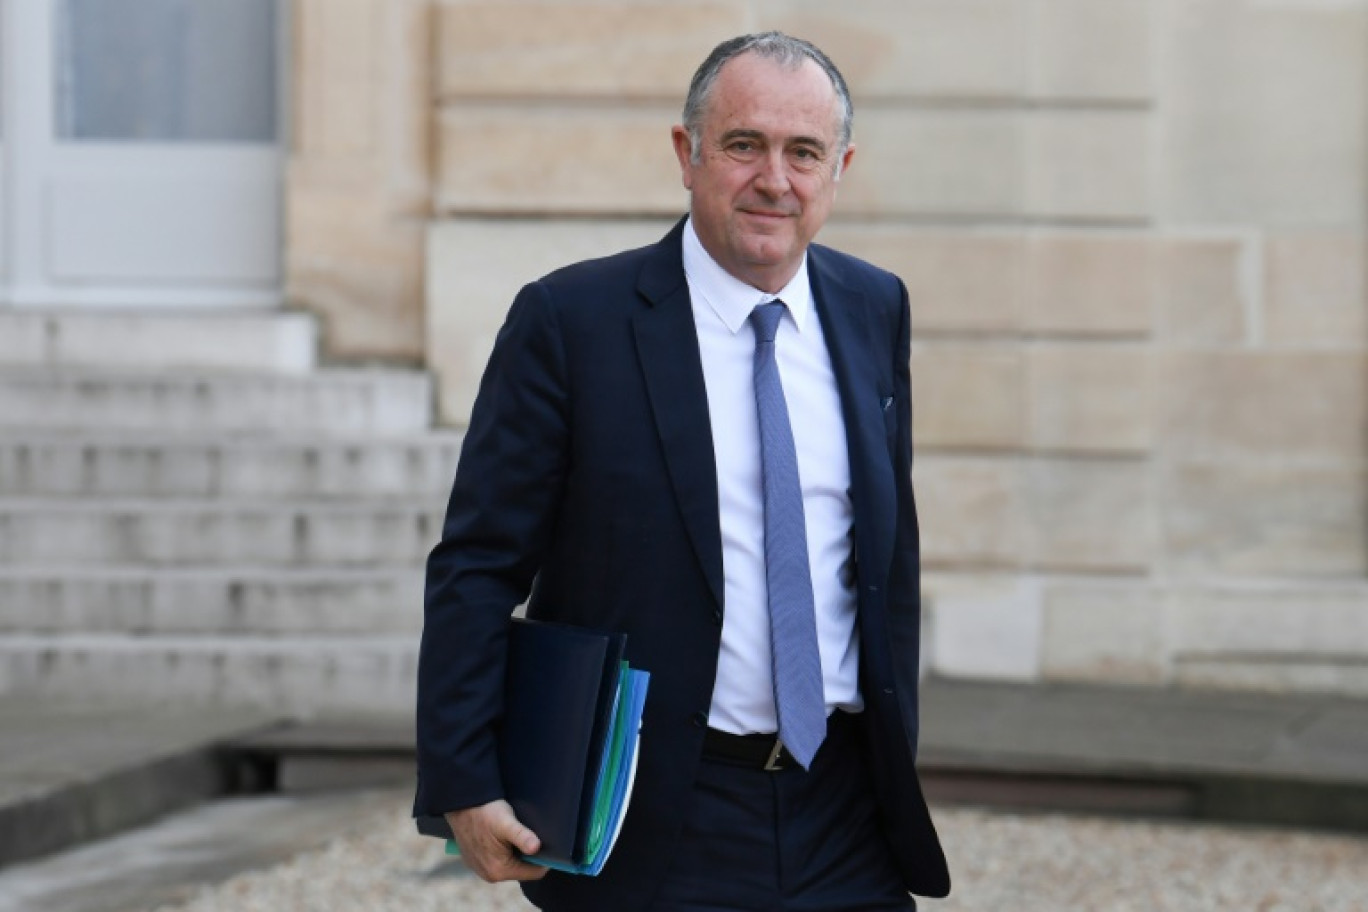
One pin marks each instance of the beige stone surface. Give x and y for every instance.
(516, 49)
(1200, 298)
(971, 510)
(1079, 283)
(967, 281)
(1092, 165)
(357, 187)
(1090, 515)
(968, 396)
(1091, 398)
(984, 625)
(475, 267)
(955, 48)
(551, 159)
(1314, 289)
(1239, 518)
(1259, 405)
(1281, 618)
(1263, 113)
(360, 271)
(1085, 49)
(935, 162)
(1103, 630)
(1346, 677)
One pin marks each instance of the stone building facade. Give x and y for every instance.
(1133, 234)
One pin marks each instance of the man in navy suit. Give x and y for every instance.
(614, 470)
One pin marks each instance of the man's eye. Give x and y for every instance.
(742, 146)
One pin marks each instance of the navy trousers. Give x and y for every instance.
(785, 841)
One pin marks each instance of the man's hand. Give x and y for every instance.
(491, 838)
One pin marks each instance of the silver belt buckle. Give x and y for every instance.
(772, 765)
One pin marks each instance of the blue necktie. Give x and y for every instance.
(798, 697)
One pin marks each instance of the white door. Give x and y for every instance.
(141, 156)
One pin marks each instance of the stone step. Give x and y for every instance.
(162, 533)
(222, 601)
(125, 465)
(300, 676)
(73, 771)
(356, 402)
(272, 341)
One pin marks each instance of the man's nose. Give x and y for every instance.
(772, 177)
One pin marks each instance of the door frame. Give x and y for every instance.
(40, 266)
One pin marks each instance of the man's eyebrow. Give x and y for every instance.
(741, 133)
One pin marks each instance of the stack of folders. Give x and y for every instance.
(567, 742)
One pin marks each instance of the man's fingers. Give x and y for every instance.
(491, 838)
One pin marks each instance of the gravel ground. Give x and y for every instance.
(1000, 861)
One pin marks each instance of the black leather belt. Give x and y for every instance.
(762, 752)
(765, 752)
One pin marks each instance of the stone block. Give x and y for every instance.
(1232, 405)
(359, 266)
(1083, 49)
(1103, 630)
(1314, 289)
(514, 48)
(1200, 298)
(195, 534)
(971, 511)
(935, 162)
(358, 185)
(1090, 284)
(941, 48)
(1274, 675)
(294, 676)
(23, 339)
(542, 160)
(271, 341)
(985, 626)
(358, 402)
(1089, 164)
(1090, 516)
(475, 269)
(1264, 112)
(960, 282)
(968, 396)
(1091, 398)
(1307, 621)
(288, 602)
(1270, 518)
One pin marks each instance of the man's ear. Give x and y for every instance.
(846, 158)
(683, 147)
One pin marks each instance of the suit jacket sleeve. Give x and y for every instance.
(502, 511)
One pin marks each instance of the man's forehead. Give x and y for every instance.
(758, 86)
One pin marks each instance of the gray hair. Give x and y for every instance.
(784, 50)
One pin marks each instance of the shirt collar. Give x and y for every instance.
(732, 299)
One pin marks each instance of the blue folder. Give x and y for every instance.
(568, 741)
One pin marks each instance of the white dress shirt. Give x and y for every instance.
(743, 695)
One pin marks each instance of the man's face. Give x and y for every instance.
(766, 175)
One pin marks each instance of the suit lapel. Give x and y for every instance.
(667, 347)
(845, 323)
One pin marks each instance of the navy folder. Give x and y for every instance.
(561, 694)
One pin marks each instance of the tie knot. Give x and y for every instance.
(765, 318)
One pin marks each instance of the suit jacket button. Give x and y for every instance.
(700, 719)
(717, 616)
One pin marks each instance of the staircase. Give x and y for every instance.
(192, 511)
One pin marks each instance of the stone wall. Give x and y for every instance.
(359, 188)
(1133, 234)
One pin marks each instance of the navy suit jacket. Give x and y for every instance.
(587, 479)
